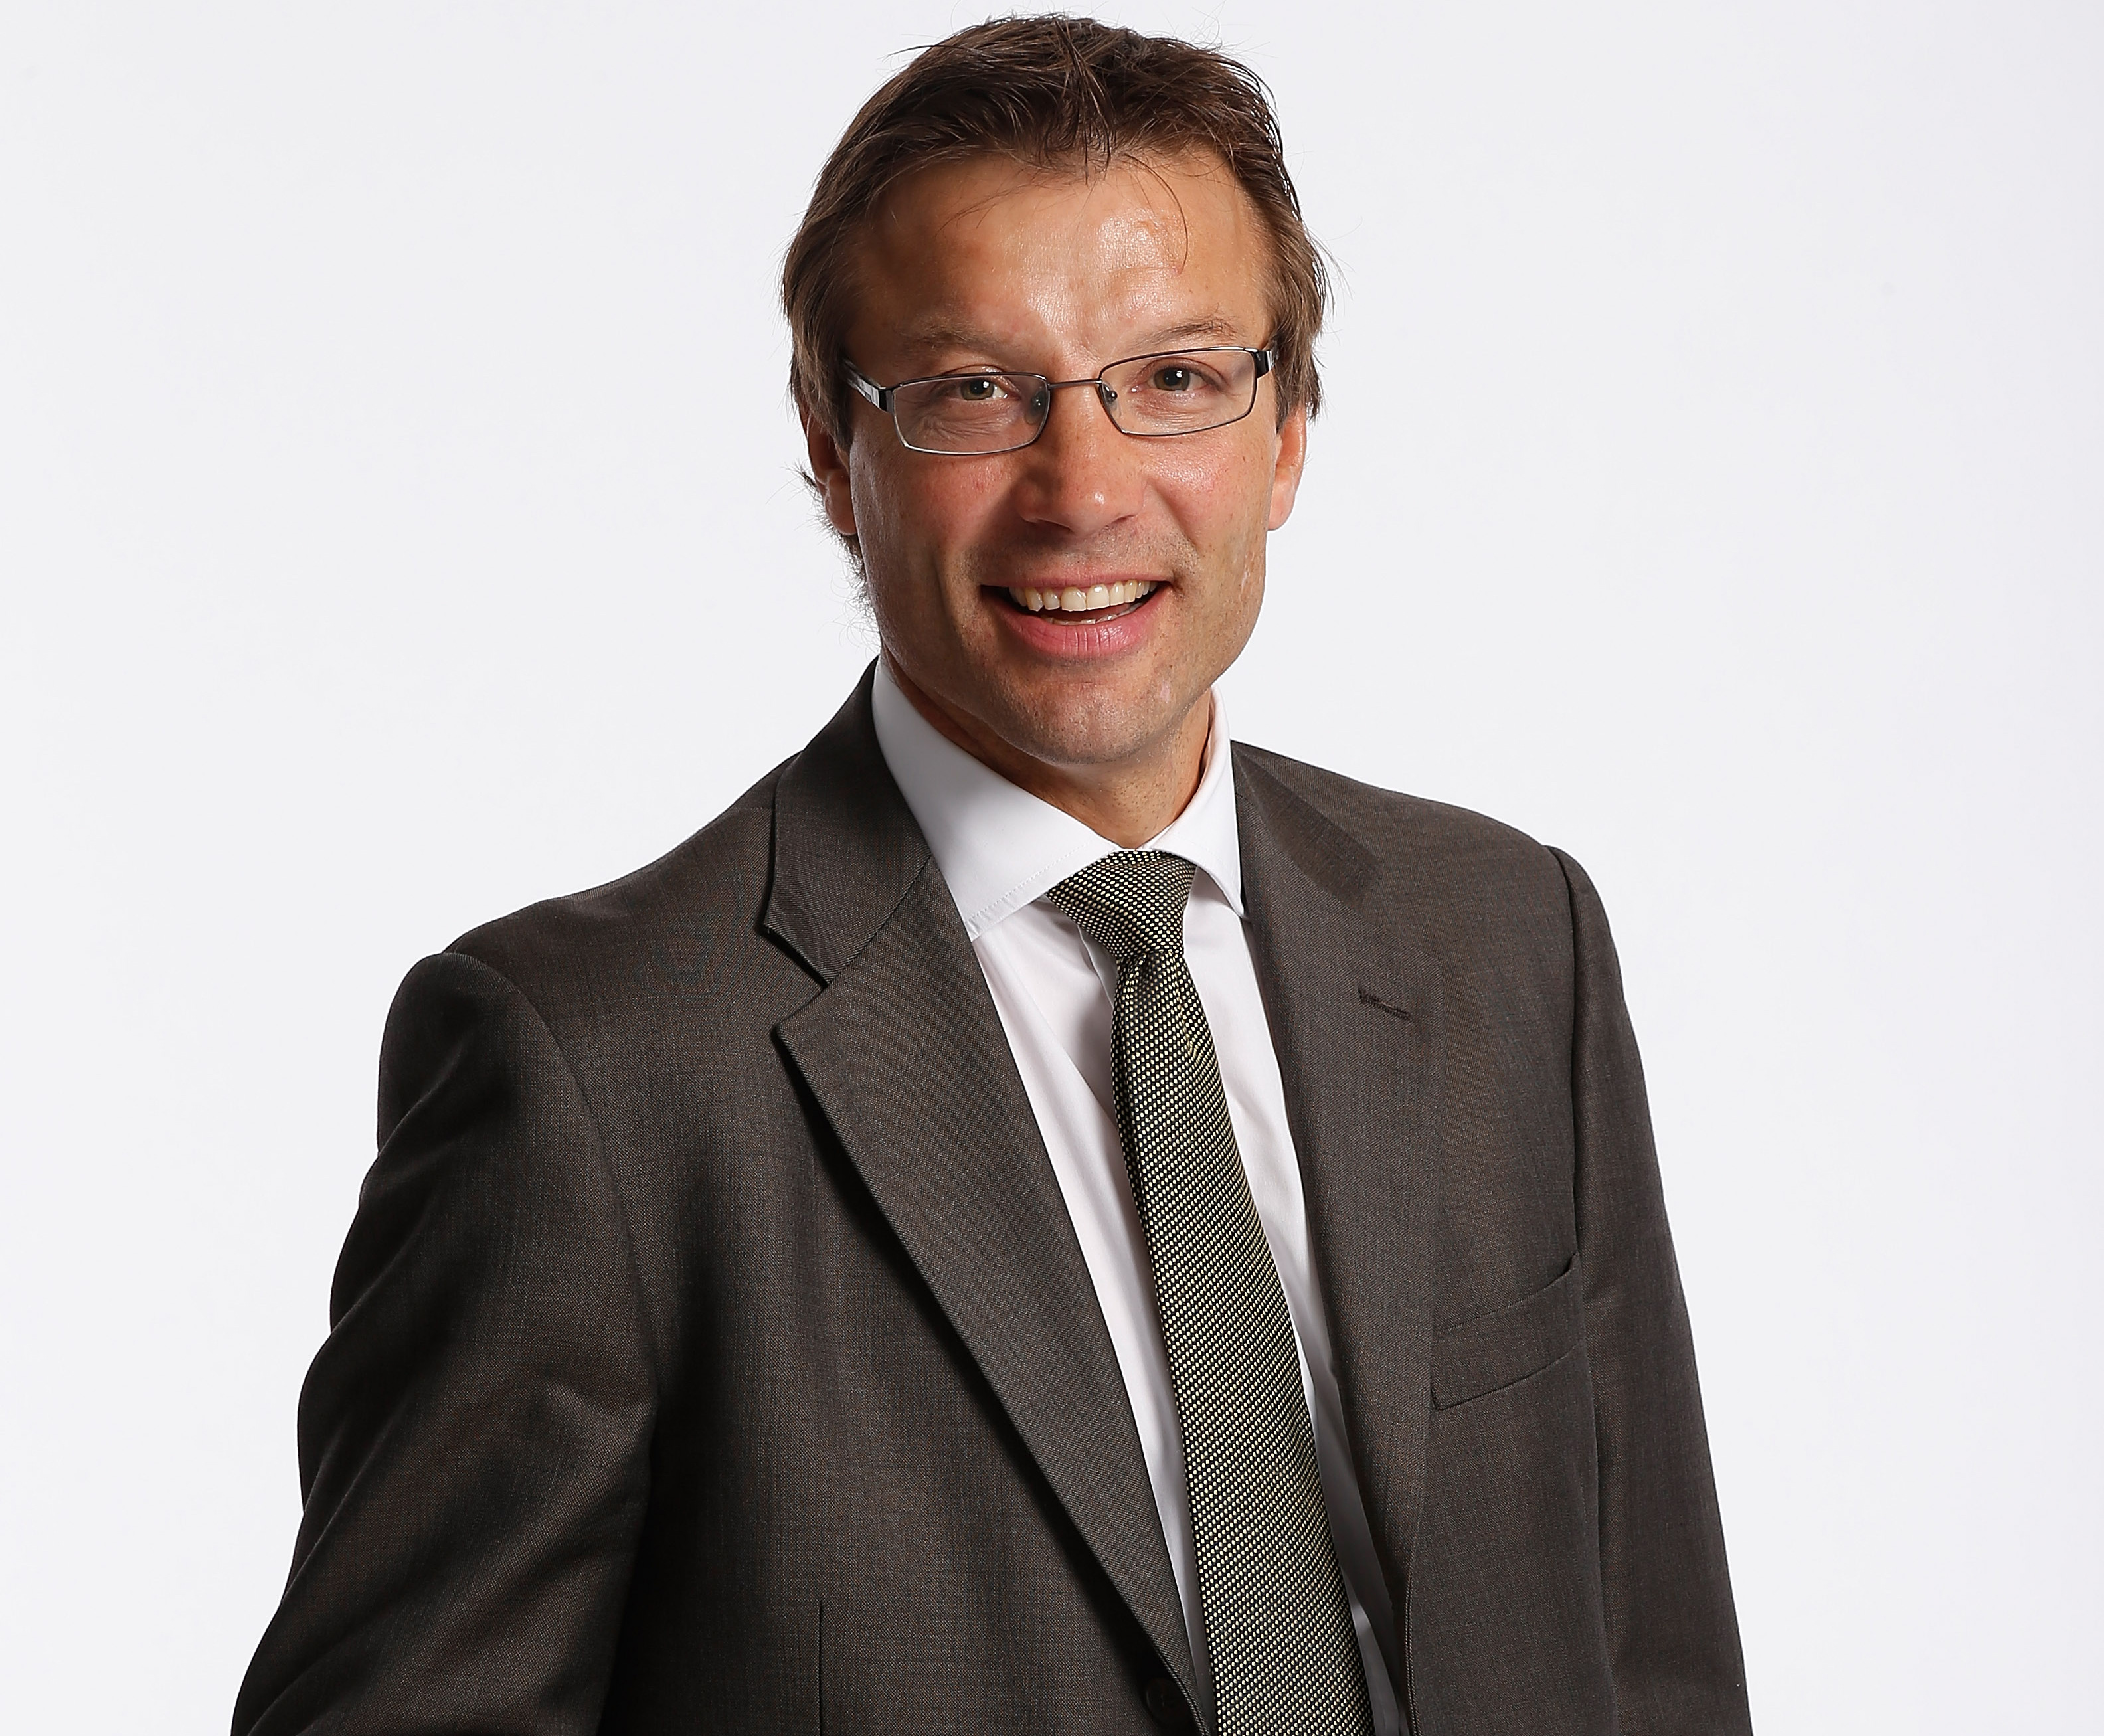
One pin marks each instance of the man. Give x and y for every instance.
(1039, 1218)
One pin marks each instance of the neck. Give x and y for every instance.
(1128, 802)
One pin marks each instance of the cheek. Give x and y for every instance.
(1222, 504)
(918, 512)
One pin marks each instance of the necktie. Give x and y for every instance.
(1285, 1657)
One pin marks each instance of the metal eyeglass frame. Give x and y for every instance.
(884, 398)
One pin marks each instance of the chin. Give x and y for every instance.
(1095, 728)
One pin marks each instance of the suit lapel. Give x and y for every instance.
(1356, 1021)
(904, 1052)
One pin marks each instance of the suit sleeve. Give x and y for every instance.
(474, 1434)
(1672, 1634)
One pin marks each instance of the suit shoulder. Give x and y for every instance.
(1489, 904)
(697, 903)
(1414, 839)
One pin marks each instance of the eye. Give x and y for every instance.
(981, 390)
(1175, 377)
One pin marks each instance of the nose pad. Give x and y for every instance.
(1040, 406)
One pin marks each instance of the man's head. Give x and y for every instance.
(1049, 196)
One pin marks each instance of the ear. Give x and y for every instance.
(829, 470)
(1285, 471)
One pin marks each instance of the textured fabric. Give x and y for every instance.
(711, 1351)
(999, 849)
(1285, 1657)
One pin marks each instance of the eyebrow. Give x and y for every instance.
(937, 333)
(1215, 327)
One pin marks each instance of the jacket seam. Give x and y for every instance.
(600, 1150)
(1565, 865)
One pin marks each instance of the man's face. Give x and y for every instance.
(982, 265)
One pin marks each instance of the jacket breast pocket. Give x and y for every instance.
(1495, 1350)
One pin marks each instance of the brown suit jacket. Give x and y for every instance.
(712, 1352)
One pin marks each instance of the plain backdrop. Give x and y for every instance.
(399, 522)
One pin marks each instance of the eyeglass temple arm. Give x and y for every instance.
(867, 388)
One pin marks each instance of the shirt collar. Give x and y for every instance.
(1000, 847)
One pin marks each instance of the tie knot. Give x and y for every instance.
(1132, 904)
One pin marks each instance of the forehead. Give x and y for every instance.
(992, 250)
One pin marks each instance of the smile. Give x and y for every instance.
(1079, 603)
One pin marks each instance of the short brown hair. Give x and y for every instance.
(1049, 92)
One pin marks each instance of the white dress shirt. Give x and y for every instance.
(999, 849)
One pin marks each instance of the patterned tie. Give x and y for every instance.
(1285, 1657)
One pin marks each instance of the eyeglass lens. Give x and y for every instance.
(1187, 392)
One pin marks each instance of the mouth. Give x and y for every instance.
(1080, 605)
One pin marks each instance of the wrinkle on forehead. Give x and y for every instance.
(1094, 175)
(987, 256)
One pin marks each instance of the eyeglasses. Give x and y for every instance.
(1150, 397)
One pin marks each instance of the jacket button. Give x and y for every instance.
(1164, 1699)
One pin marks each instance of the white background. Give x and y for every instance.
(397, 524)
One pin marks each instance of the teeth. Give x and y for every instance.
(1074, 600)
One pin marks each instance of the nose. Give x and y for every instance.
(1080, 476)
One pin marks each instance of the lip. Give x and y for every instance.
(1082, 641)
